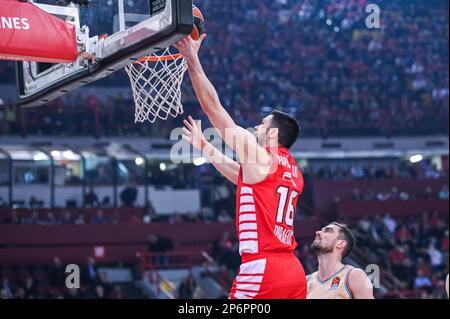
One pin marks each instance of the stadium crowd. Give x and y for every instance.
(414, 250)
(49, 282)
(118, 216)
(336, 75)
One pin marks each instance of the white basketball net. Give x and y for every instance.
(156, 85)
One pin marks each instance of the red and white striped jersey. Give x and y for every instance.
(265, 212)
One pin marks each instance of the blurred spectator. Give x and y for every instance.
(129, 194)
(160, 244)
(224, 217)
(423, 267)
(383, 196)
(356, 195)
(72, 294)
(428, 194)
(435, 256)
(444, 242)
(116, 217)
(434, 220)
(324, 173)
(422, 281)
(403, 234)
(56, 274)
(404, 196)
(198, 293)
(394, 193)
(357, 171)
(106, 202)
(34, 203)
(66, 218)
(376, 230)
(2, 202)
(14, 219)
(50, 219)
(99, 218)
(117, 293)
(431, 171)
(390, 223)
(7, 288)
(30, 288)
(226, 251)
(33, 219)
(80, 220)
(135, 219)
(190, 217)
(149, 213)
(397, 259)
(4, 294)
(175, 219)
(100, 292)
(91, 199)
(225, 242)
(89, 273)
(443, 192)
(186, 287)
(364, 224)
(20, 293)
(105, 283)
(207, 215)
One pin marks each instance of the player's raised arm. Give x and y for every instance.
(205, 91)
(360, 285)
(192, 133)
(250, 153)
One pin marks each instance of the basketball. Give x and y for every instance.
(199, 23)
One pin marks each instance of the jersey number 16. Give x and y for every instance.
(286, 209)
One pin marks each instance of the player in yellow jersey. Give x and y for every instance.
(333, 279)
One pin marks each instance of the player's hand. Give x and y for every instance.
(188, 47)
(192, 133)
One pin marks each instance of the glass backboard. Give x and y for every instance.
(106, 17)
(118, 32)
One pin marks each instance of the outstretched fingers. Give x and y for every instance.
(181, 44)
(202, 37)
(188, 125)
(193, 123)
(186, 132)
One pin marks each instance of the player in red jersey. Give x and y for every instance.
(268, 181)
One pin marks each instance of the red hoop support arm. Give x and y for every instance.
(28, 33)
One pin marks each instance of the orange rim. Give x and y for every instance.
(154, 58)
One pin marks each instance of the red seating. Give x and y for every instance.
(326, 191)
(396, 208)
(38, 245)
(124, 214)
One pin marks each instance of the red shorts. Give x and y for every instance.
(270, 277)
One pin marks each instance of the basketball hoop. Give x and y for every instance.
(156, 85)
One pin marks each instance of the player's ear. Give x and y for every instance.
(340, 243)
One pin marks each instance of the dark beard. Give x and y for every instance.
(320, 250)
(262, 140)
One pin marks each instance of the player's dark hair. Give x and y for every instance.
(346, 234)
(288, 128)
